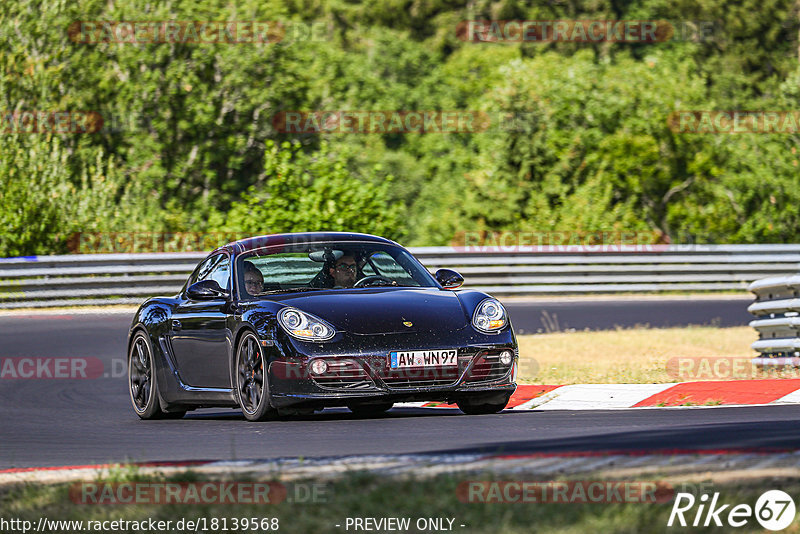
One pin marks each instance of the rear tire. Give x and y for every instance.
(252, 386)
(370, 410)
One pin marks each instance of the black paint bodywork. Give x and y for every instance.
(194, 341)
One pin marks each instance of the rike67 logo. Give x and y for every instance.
(774, 510)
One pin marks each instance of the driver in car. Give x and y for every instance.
(344, 272)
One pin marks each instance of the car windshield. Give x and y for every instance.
(328, 265)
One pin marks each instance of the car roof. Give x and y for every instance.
(253, 243)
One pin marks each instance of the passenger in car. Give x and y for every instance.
(253, 279)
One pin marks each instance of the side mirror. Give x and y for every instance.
(449, 278)
(206, 290)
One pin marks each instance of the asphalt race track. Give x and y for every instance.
(49, 422)
(530, 317)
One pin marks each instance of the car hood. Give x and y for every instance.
(383, 310)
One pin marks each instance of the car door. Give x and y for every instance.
(199, 330)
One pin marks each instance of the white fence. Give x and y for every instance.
(91, 279)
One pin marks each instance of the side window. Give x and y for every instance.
(204, 268)
(215, 268)
(221, 272)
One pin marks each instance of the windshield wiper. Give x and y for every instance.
(393, 284)
(292, 290)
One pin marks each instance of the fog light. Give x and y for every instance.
(319, 367)
(506, 357)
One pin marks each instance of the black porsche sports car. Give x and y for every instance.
(293, 323)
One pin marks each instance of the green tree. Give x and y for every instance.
(48, 194)
(312, 192)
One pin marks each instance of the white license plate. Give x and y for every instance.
(423, 358)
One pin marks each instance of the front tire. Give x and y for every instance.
(142, 383)
(481, 408)
(252, 386)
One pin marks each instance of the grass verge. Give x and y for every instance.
(630, 356)
(362, 495)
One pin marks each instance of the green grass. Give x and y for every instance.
(367, 495)
(631, 355)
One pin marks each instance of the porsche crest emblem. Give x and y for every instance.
(408, 323)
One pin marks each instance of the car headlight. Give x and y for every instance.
(490, 316)
(304, 326)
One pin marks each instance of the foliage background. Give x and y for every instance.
(188, 143)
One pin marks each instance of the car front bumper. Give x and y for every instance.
(368, 378)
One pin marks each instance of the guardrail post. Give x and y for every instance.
(777, 311)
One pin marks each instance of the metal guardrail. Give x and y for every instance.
(777, 312)
(92, 279)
